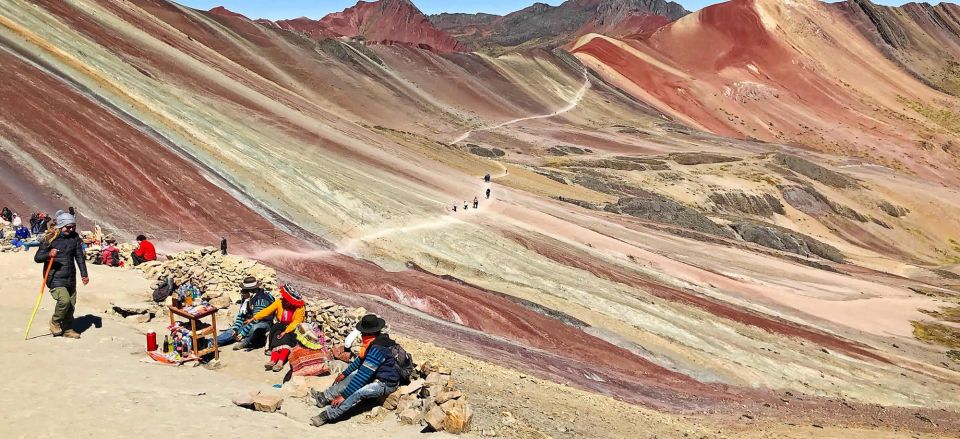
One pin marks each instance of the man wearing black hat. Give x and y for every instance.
(372, 374)
(252, 300)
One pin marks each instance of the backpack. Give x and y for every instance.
(404, 362)
(163, 291)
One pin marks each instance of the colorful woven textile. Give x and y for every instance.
(308, 362)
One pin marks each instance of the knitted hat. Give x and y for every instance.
(291, 295)
(65, 219)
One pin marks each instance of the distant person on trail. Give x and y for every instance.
(476, 203)
(466, 205)
(486, 178)
(376, 372)
(61, 246)
(454, 207)
(145, 252)
(223, 246)
(289, 310)
(253, 299)
(488, 193)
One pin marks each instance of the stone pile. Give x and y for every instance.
(337, 321)
(433, 401)
(5, 245)
(217, 276)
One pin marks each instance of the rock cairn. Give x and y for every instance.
(217, 276)
(337, 321)
(432, 400)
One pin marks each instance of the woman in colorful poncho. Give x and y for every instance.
(288, 311)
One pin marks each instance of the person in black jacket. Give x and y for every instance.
(62, 245)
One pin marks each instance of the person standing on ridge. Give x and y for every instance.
(145, 252)
(486, 178)
(61, 247)
(488, 193)
(223, 246)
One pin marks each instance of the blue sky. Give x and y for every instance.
(276, 9)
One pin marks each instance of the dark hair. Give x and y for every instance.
(141, 238)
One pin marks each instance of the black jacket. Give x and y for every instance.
(63, 273)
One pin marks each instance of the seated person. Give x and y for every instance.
(253, 299)
(289, 311)
(372, 374)
(110, 255)
(145, 252)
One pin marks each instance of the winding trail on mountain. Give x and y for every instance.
(570, 106)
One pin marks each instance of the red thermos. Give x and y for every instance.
(151, 341)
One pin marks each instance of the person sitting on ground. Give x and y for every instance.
(372, 374)
(62, 245)
(145, 252)
(16, 222)
(110, 255)
(21, 232)
(6, 214)
(253, 299)
(289, 310)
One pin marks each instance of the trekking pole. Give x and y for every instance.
(39, 297)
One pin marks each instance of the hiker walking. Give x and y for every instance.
(373, 374)
(476, 203)
(454, 207)
(61, 246)
(486, 178)
(488, 193)
(466, 205)
(223, 246)
(289, 311)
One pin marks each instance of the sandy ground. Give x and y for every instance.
(104, 386)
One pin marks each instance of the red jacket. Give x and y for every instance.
(146, 251)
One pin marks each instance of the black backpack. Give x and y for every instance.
(163, 291)
(404, 362)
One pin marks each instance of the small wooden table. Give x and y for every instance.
(210, 330)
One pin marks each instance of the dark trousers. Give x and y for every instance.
(137, 260)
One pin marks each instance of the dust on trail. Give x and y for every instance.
(571, 104)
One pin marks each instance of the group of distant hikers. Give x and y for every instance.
(379, 368)
(476, 200)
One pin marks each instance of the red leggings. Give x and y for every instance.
(280, 355)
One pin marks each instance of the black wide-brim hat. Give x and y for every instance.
(371, 324)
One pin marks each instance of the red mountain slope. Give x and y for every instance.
(383, 22)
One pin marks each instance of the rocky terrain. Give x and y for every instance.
(746, 218)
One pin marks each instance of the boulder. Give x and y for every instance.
(447, 396)
(434, 417)
(410, 416)
(457, 416)
(391, 401)
(265, 402)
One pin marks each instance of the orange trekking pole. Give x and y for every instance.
(39, 297)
